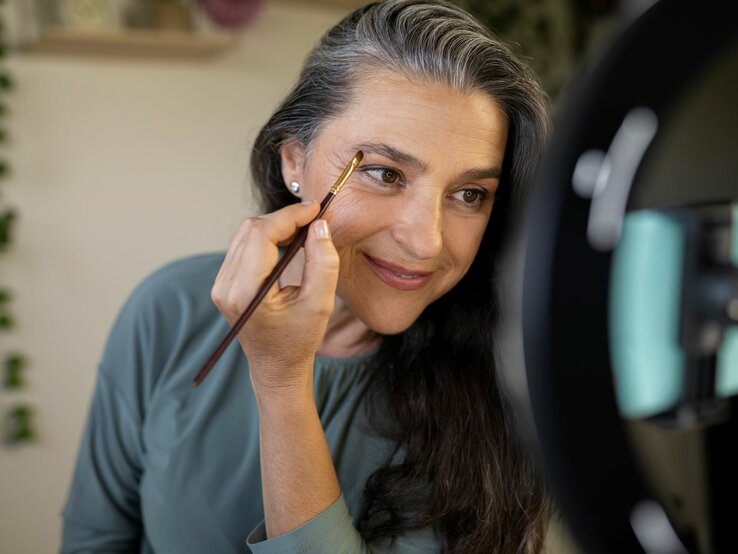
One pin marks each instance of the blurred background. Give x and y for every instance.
(125, 131)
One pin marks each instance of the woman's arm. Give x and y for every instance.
(102, 508)
(297, 473)
(304, 510)
(280, 341)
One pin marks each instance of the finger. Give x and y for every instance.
(286, 220)
(250, 265)
(280, 226)
(230, 268)
(227, 268)
(228, 292)
(320, 273)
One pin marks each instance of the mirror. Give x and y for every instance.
(625, 291)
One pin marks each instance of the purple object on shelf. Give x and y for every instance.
(232, 13)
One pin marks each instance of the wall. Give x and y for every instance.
(119, 165)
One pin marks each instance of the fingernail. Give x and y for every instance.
(321, 230)
(307, 202)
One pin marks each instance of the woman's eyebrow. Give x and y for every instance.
(479, 174)
(409, 160)
(392, 153)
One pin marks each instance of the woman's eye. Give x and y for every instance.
(384, 174)
(471, 197)
(389, 176)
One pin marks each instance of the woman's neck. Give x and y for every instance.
(346, 334)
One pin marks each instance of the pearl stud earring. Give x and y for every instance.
(295, 187)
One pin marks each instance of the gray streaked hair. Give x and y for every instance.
(421, 39)
(433, 387)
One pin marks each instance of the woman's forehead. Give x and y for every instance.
(379, 86)
(421, 117)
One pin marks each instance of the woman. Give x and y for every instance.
(361, 412)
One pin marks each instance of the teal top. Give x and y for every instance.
(166, 468)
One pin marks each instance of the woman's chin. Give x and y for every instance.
(382, 315)
(385, 324)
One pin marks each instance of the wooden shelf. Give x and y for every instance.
(133, 42)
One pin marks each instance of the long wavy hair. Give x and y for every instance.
(461, 469)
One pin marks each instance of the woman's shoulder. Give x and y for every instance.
(172, 300)
(181, 283)
(162, 318)
(186, 274)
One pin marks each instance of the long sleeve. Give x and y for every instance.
(102, 512)
(333, 531)
(163, 467)
(103, 508)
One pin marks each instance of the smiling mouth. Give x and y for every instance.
(398, 277)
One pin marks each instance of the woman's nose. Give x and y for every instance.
(418, 227)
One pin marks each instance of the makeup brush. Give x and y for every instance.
(292, 249)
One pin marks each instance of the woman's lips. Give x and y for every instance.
(396, 276)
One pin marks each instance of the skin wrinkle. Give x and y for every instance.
(407, 159)
(445, 138)
(442, 44)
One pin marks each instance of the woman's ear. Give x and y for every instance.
(293, 162)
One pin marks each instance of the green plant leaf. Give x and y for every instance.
(6, 81)
(14, 366)
(6, 322)
(15, 361)
(20, 427)
(6, 223)
(13, 379)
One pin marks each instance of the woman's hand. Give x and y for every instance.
(281, 337)
(280, 340)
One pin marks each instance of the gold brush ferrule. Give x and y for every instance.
(347, 172)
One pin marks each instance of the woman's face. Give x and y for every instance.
(408, 223)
